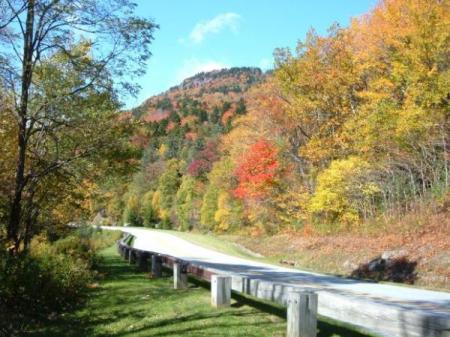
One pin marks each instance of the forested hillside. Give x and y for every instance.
(350, 130)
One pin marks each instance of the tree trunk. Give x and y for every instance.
(27, 71)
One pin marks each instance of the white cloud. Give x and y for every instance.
(215, 25)
(265, 64)
(194, 66)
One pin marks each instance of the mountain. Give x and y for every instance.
(199, 109)
(210, 88)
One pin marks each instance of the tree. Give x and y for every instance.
(241, 109)
(185, 203)
(344, 192)
(258, 171)
(148, 213)
(131, 213)
(228, 215)
(221, 182)
(203, 161)
(168, 184)
(57, 62)
(209, 207)
(214, 118)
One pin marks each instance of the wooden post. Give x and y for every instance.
(142, 260)
(180, 280)
(156, 266)
(131, 256)
(126, 251)
(302, 314)
(220, 291)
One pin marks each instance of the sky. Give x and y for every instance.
(203, 35)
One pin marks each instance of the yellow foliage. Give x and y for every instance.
(156, 203)
(223, 212)
(343, 190)
(162, 150)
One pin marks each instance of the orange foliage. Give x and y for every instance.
(258, 171)
(156, 116)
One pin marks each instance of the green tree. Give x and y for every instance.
(185, 203)
(148, 213)
(221, 181)
(209, 207)
(241, 109)
(168, 184)
(214, 118)
(131, 214)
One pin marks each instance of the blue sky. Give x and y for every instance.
(202, 35)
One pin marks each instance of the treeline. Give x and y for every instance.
(353, 125)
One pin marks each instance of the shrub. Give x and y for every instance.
(47, 280)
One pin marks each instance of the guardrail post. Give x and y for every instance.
(302, 314)
(156, 266)
(180, 279)
(131, 256)
(126, 251)
(142, 261)
(240, 284)
(220, 290)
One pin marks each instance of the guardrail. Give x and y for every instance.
(301, 304)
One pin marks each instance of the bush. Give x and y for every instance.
(37, 285)
(48, 280)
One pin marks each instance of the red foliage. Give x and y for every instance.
(139, 141)
(170, 126)
(156, 116)
(258, 170)
(204, 160)
(191, 135)
(226, 116)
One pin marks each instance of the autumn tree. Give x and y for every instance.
(58, 60)
(373, 95)
(203, 161)
(168, 184)
(186, 203)
(258, 171)
(219, 210)
(148, 213)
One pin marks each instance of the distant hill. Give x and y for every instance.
(211, 89)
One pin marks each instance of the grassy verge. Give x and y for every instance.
(218, 244)
(128, 303)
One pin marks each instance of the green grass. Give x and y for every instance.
(215, 243)
(127, 303)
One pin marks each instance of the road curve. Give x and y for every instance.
(387, 310)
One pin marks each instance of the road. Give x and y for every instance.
(388, 310)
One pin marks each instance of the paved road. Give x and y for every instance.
(387, 309)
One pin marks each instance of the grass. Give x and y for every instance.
(127, 303)
(217, 244)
